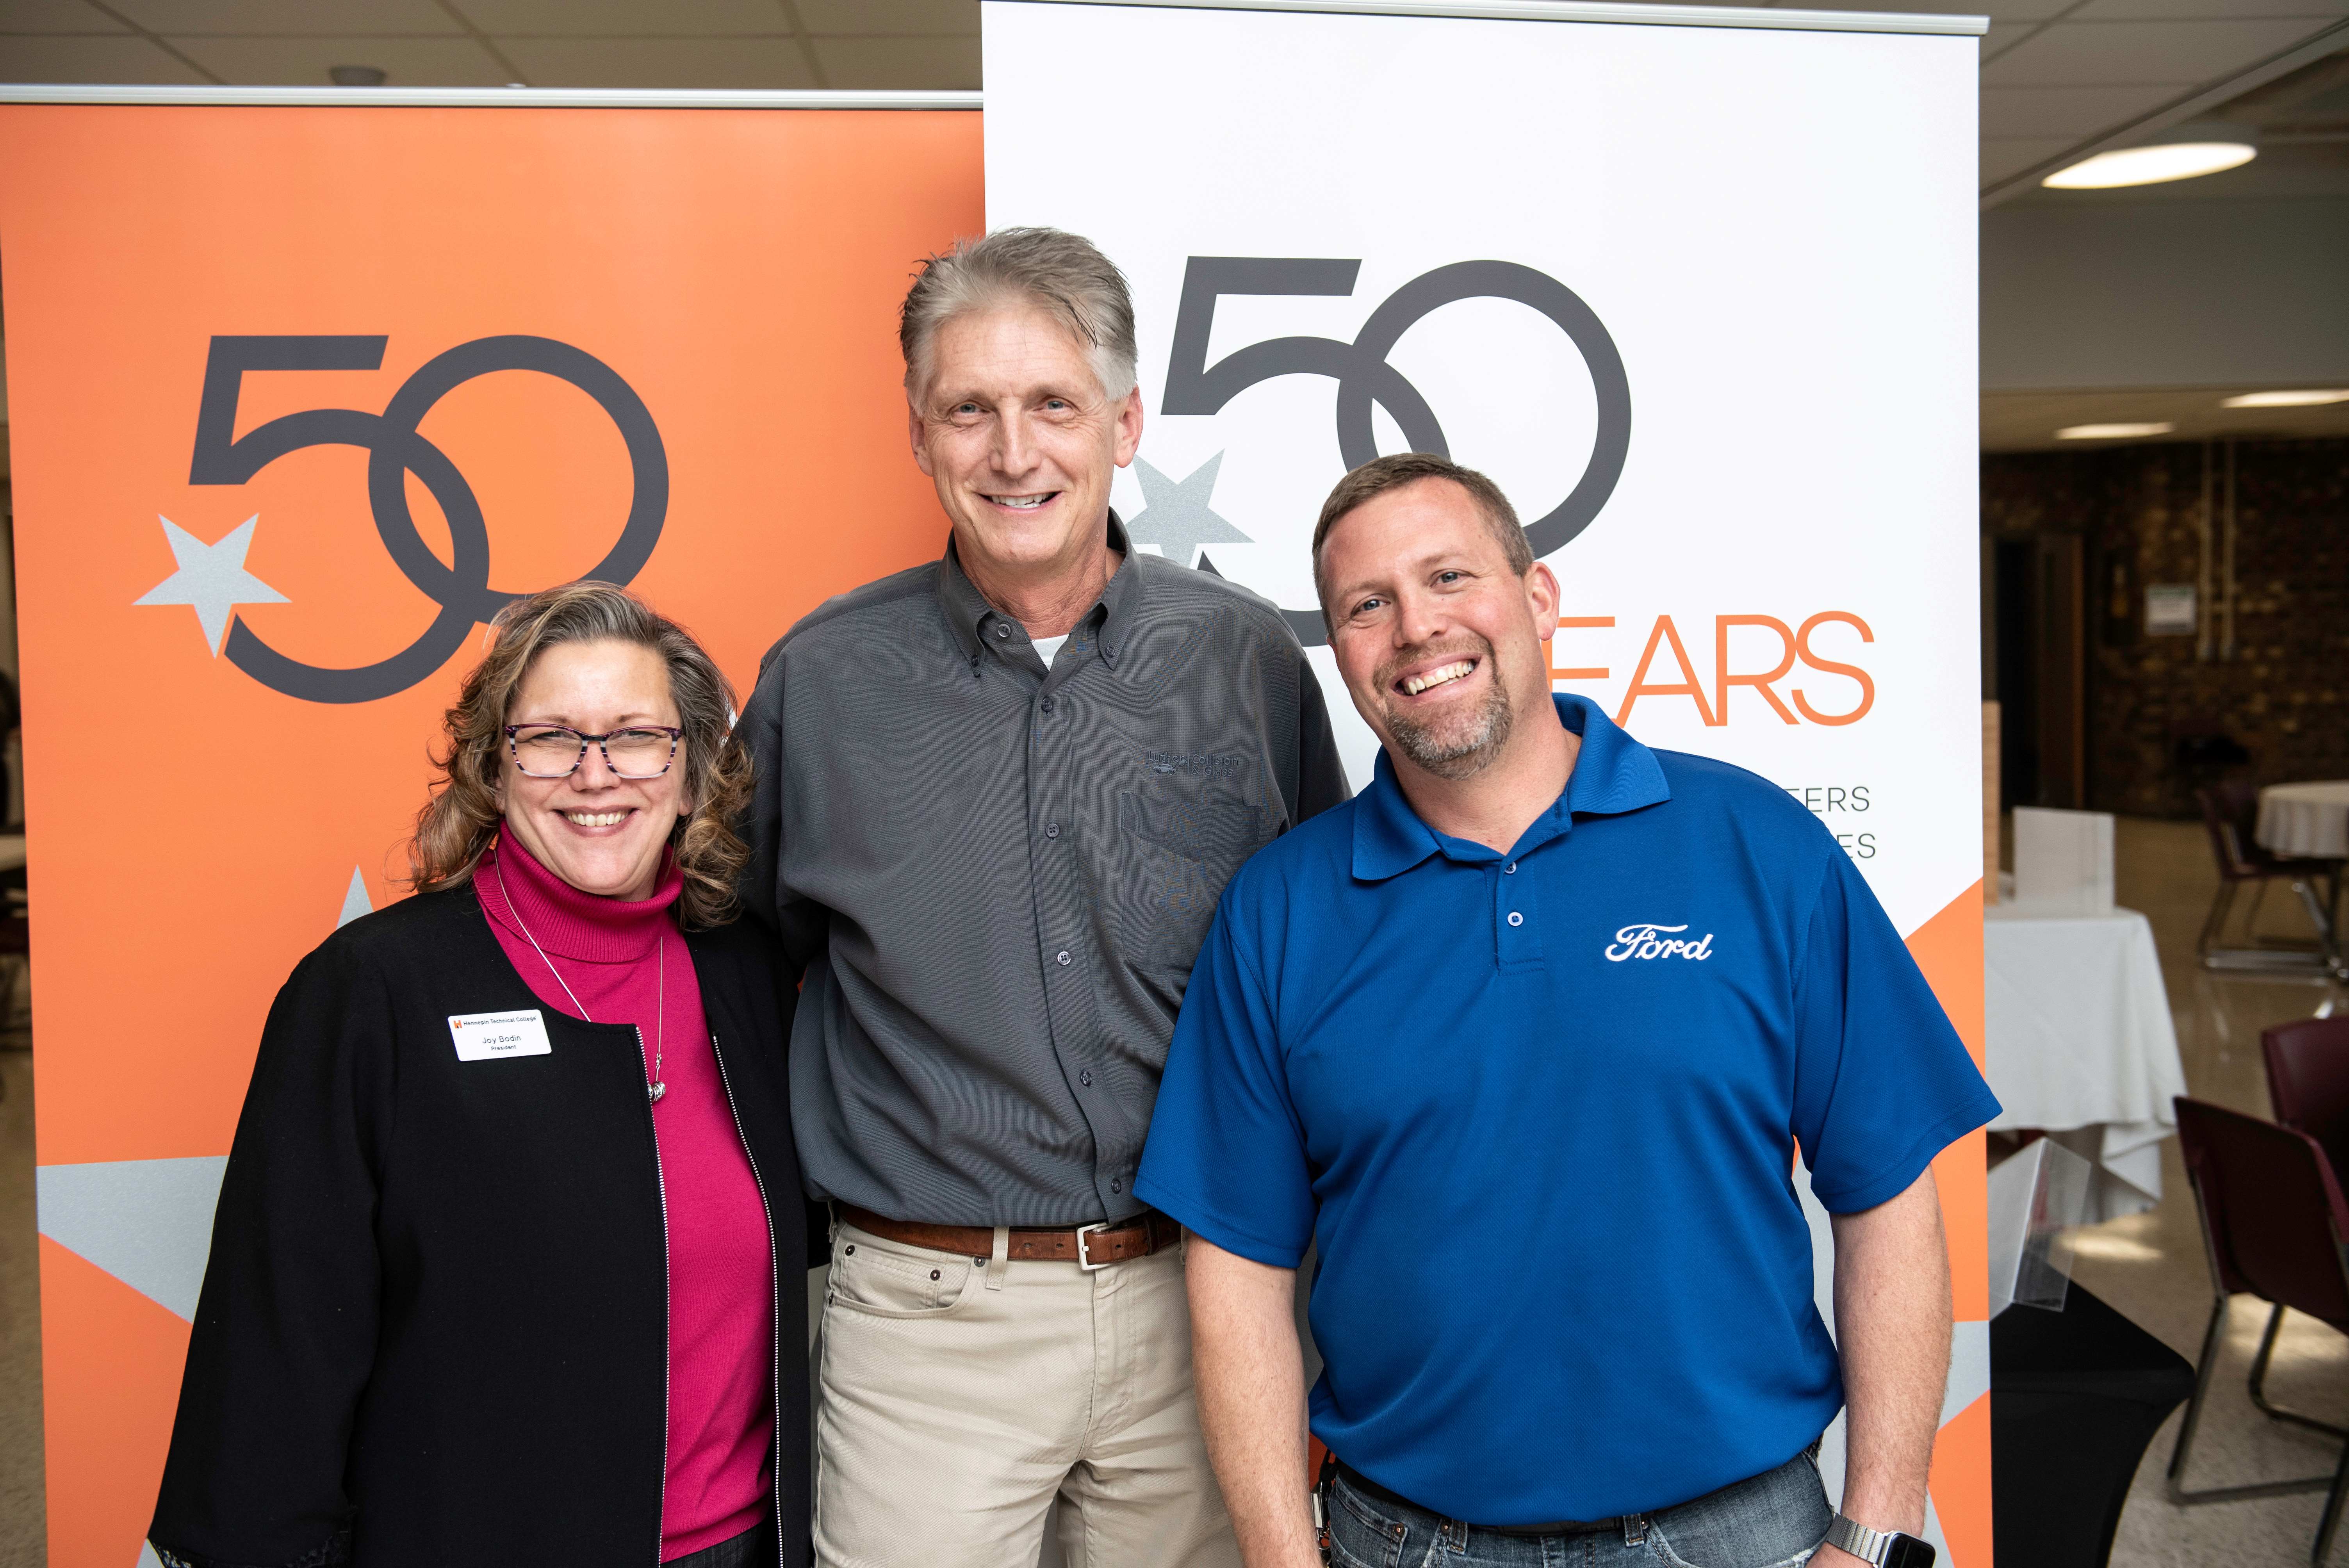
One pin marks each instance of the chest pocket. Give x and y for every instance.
(1178, 856)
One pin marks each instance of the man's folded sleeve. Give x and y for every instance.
(1882, 1083)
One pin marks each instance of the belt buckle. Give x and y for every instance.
(1085, 1258)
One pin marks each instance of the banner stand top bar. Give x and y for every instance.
(485, 97)
(1588, 11)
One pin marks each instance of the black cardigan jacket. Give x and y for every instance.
(433, 1332)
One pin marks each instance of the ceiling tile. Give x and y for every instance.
(125, 59)
(2184, 53)
(627, 18)
(2077, 112)
(304, 62)
(938, 18)
(2001, 36)
(2200, 10)
(56, 16)
(1996, 10)
(2002, 156)
(2023, 421)
(936, 64)
(770, 63)
(311, 17)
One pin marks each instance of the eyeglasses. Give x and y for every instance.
(553, 751)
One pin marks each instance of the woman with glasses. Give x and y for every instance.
(507, 1263)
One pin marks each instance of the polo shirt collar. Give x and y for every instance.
(969, 614)
(1613, 774)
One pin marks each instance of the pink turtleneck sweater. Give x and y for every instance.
(720, 1278)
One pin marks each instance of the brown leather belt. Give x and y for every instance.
(1088, 1246)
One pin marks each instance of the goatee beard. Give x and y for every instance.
(1467, 745)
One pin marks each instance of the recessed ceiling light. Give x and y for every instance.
(2307, 399)
(2114, 432)
(2181, 153)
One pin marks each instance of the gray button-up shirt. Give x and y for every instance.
(995, 876)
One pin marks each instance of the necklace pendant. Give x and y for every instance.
(656, 1089)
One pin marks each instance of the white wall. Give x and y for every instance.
(2170, 292)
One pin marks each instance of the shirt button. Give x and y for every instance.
(1002, 632)
(1052, 829)
(1509, 870)
(1063, 958)
(1047, 705)
(1116, 1185)
(1516, 919)
(1085, 1078)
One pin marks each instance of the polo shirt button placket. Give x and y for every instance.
(1515, 944)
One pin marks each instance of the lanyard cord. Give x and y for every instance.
(657, 1088)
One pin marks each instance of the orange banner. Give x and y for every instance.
(299, 396)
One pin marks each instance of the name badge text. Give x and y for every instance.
(489, 1036)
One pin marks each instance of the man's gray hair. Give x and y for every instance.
(1061, 274)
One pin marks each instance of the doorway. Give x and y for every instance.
(2039, 670)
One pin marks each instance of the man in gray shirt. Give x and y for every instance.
(999, 795)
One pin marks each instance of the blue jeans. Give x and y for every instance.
(1774, 1520)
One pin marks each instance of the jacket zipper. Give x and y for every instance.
(775, 1299)
(660, 1184)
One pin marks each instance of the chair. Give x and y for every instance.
(2274, 1219)
(2229, 812)
(2308, 1081)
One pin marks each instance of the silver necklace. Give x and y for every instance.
(657, 1088)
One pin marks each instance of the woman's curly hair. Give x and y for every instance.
(461, 821)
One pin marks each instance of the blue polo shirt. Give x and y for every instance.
(1539, 1112)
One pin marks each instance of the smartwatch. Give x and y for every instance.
(1885, 1548)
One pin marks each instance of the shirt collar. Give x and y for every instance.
(969, 615)
(1613, 774)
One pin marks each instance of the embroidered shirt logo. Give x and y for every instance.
(1656, 942)
(1193, 762)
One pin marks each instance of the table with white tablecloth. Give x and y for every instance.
(2079, 1044)
(2307, 821)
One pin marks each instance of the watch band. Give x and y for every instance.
(1867, 1545)
(1883, 1548)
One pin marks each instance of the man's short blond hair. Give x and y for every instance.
(1380, 474)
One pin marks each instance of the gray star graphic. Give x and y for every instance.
(1175, 516)
(211, 578)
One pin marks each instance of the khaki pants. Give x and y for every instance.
(957, 1398)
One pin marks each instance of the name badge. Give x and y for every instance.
(491, 1036)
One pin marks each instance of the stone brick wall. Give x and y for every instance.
(2284, 695)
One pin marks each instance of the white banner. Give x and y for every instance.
(1701, 298)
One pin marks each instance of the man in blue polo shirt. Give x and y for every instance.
(1526, 1037)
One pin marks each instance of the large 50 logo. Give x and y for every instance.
(396, 449)
(1364, 376)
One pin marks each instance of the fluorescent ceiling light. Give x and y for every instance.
(2288, 400)
(2181, 153)
(2114, 432)
(2151, 165)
